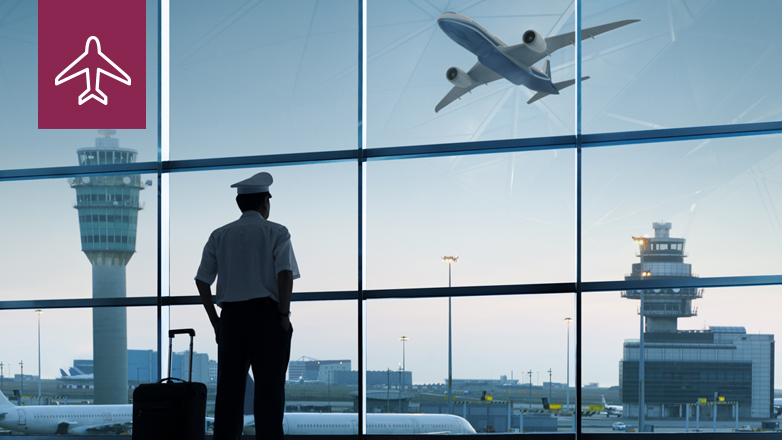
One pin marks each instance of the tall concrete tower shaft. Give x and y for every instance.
(663, 257)
(108, 209)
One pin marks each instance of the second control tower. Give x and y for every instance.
(108, 209)
(663, 257)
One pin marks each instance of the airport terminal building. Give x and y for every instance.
(684, 367)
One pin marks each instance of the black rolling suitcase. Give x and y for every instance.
(172, 408)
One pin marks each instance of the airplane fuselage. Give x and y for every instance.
(390, 424)
(489, 50)
(49, 420)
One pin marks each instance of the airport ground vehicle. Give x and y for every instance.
(619, 426)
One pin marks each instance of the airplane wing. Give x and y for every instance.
(107, 428)
(523, 53)
(480, 75)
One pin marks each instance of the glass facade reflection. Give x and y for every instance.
(655, 181)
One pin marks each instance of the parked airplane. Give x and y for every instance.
(515, 63)
(65, 419)
(611, 410)
(347, 424)
(76, 374)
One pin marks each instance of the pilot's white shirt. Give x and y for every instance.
(245, 256)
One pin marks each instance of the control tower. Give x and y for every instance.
(663, 257)
(108, 209)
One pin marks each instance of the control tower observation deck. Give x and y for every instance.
(663, 257)
(108, 209)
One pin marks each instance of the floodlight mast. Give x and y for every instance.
(449, 260)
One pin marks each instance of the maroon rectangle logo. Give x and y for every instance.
(91, 64)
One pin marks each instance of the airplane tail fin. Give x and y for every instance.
(4, 401)
(545, 403)
(602, 396)
(559, 86)
(64, 374)
(547, 68)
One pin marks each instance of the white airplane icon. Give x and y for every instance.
(87, 64)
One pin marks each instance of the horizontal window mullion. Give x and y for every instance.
(680, 134)
(739, 281)
(76, 170)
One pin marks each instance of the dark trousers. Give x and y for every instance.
(250, 334)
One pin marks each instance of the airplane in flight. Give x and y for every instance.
(86, 64)
(65, 419)
(516, 63)
(612, 410)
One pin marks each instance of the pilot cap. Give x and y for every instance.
(258, 183)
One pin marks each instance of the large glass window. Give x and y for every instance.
(22, 143)
(430, 131)
(668, 70)
(315, 202)
(411, 58)
(713, 354)
(508, 217)
(714, 201)
(80, 237)
(246, 78)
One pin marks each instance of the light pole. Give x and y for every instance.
(449, 260)
(402, 381)
(400, 390)
(2, 377)
(568, 363)
(641, 374)
(530, 389)
(388, 392)
(549, 385)
(39, 312)
(21, 387)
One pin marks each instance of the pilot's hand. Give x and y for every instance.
(216, 326)
(285, 322)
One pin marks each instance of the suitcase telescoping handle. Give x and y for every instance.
(171, 334)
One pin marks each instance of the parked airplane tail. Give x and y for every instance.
(603, 397)
(559, 86)
(4, 400)
(545, 399)
(63, 373)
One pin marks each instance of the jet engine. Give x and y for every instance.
(535, 41)
(458, 77)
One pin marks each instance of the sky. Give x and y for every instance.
(267, 78)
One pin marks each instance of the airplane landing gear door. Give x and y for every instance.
(22, 417)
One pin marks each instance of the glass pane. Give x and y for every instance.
(317, 203)
(52, 225)
(669, 70)
(22, 143)
(725, 346)
(520, 378)
(508, 217)
(322, 376)
(88, 357)
(410, 53)
(247, 77)
(705, 208)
